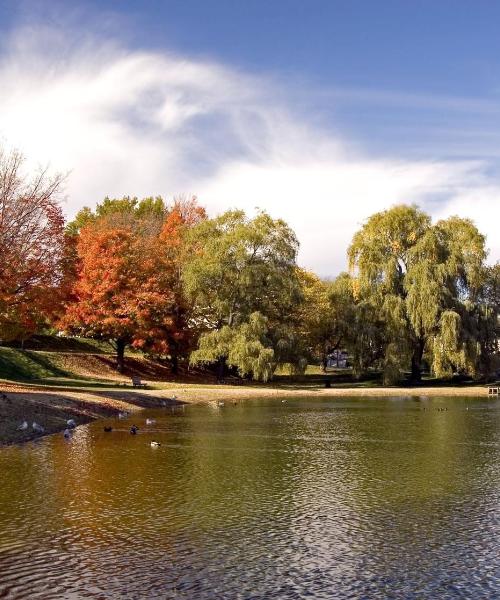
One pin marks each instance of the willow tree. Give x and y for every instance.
(243, 281)
(424, 281)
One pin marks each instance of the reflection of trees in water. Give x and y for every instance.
(329, 493)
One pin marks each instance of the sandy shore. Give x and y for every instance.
(201, 394)
(51, 408)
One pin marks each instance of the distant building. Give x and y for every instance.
(337, 359)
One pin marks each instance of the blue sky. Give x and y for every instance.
(334, 108)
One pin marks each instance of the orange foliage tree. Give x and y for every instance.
(32, 246)
(128, 287)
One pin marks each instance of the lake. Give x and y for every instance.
(342, 498)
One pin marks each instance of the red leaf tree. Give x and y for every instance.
(128, 286)
(32, 246)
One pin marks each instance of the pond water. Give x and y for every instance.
(346, 498)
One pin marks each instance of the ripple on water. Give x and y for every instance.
(356, 499)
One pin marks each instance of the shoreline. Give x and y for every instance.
(52, 407)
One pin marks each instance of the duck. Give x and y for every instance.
(150, 421)
(283, 401)
(155, 444)
(220, 402)
(108, 428)
(23, 426)
(71, 423)
(37, 428)
(134, 429)
(123, 415)
(67, 433)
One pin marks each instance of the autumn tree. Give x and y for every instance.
(243, 281)
(128, 285)
(423, 281)
(32, 246)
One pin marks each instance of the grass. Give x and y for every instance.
(54, 343)
(54, 368)
(26, 365)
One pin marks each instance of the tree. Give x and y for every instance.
(324, 315)
(423, 280)
(128, 283)
(243, 281)
(32, 246)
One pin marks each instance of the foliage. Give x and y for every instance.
(243, 281)
(424, 282)
(128, 282)
(31, 247)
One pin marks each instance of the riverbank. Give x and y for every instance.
(52, 407)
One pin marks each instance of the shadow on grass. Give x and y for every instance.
(26, 365)
(52, 343)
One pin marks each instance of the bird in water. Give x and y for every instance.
(71, 423)
(37, 428)
(67, 433)
(220, 403)
(23, 426)
(108, 428)
(150, 421)
(155, 444)
(283, 401)
(123, 415)
(134, 429)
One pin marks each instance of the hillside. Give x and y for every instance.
(73, 361)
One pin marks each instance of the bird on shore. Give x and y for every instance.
(108, 428)
(23, 426)
(155, 444)
(220, 403)
(67, 433)
(150, 421)
(71, 423)
(37, 428)
(134, 429)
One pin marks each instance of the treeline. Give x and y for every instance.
(227, 291)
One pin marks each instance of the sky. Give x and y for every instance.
(320, 112)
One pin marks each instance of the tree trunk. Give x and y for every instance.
(120, 354)
(174, 362)
(416, 361)
(221, 370)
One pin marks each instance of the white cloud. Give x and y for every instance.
(136, 123)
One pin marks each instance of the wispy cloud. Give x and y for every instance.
(423, 101)
(124, 121)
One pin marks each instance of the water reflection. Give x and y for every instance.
(353, 498)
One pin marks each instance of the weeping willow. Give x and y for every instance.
(426, 281)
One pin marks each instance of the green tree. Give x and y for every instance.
(243, 280)
(424, 282)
